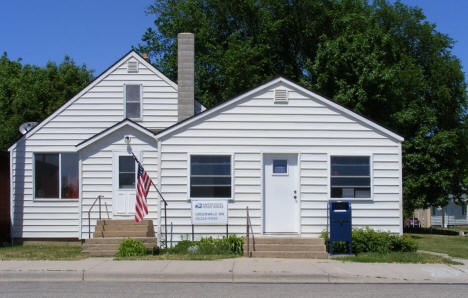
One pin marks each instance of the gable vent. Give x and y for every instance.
(132, 66)
(281, 96)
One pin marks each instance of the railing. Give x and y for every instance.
(165, 212)
(249, 225)
(99, 197)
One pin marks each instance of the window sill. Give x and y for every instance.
(210, 199)
(352, 199)
(54, 200)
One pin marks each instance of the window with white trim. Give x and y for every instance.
(350, 177)
(56, 176)
(133, 101)
(210, 176)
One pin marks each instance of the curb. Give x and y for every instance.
(78, 276)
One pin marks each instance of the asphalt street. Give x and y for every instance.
(121, 289)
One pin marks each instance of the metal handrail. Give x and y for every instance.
(249, 224)
(99, 197)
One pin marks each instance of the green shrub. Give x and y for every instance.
(369, 240)
(130, 248)
(209, 246)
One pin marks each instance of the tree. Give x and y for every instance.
(31, 93)
(378, 59)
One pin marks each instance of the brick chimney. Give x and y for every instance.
(186, 74)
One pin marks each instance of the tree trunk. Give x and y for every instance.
(443, 217)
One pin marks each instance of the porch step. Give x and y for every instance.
(118, 240)
(126, 222)
(109, 233)
(126, 233)
(104, 247)
(123, 228)
(287, 247)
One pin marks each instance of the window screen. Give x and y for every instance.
(46, 176)
(132, 101)
(210, 176)
(350, 177)
(69, 176)
(56, 176)
(126, 172)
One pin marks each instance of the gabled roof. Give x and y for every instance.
(323, 100)
(103, 75)
(113, 128)
(98, 79)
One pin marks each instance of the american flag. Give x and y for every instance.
(143, 186)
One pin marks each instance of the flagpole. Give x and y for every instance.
(161, 196)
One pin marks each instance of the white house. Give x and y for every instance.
(279, 149)
(455, 214)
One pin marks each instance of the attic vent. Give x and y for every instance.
(281, 96)
(132, 66)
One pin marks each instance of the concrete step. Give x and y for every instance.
(116, 228)
(90, 247)
(126, 233)
(287, 247)
(290, 254)
(286, 240)
(118, 240)
(128, 222)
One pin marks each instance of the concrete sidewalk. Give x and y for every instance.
(232, 270)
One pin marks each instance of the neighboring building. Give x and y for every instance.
(455, 215)
(424, 217)
(279, 149)
(4, 197)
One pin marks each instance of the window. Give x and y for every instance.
(133, 101)
(210, 176)
(280, 166)
(463, 209)
(433, 211)
(350, 177)
(127, 172)
(56, 176)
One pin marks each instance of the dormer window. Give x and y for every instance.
(133, 101)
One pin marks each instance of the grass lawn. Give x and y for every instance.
(41, 252)
(399, 257)
(454, 246)
(457, 228)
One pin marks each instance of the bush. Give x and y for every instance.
(431, 230)
(130, 248)
(369, 240)
(209, 246)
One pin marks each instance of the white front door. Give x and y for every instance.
(281, 201)
(124, 184)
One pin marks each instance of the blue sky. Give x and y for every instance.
(98, 32)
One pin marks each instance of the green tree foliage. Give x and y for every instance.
(382, 60)
(31, 93)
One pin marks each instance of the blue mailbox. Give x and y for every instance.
(340, 223)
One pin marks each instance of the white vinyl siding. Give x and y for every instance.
(94, 111)
(97, 174)
(256, 125)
